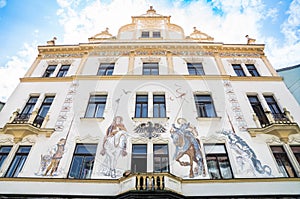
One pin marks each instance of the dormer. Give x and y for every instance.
(150, 26)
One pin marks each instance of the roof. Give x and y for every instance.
(288, 68)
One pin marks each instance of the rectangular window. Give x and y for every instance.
(238, 69)
(106, 69)
(296, 151)
(43, 110)
(49, 71)
(156, 34)
(204, 106)
(18, 162)
(4, 151)
(139, 158)
(283, 162)
(83, 161)
(258, 110)
(159, 106)
(27, 110)
(275, 110)
(63, 71)
(252, 70)
(150, 68)
(195, 68)
(141, 106)
(145, 34)
(217, 161)
(96, 106)
(160, 158)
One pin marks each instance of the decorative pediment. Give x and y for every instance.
(198, 35)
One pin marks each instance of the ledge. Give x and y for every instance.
(19, 131)
(152, 119)
(98, 119)
(282, 131)
(208, 118)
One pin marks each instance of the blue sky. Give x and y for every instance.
(28, 23)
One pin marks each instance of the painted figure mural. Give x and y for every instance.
(114, 145)
(186, 142)
(51, 161)
(150, 130)
(245, 155)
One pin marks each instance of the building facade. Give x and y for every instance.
(150, 112)
(291, 79)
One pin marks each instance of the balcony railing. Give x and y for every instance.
(271, 118)
(150, 181)
(33, 119)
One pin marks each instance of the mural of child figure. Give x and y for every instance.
(56, 157)
(114, 145)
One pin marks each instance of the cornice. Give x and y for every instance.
(151, 48)
(150, 77)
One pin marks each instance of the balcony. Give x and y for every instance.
(21, 125)
(281, 125)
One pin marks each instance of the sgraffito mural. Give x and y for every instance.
(185, 139)
(114, 145)
(246, 159)
(49, 162)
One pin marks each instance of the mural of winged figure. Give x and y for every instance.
(245, 153)
(186, 142)
(149, 129)
(114, 145)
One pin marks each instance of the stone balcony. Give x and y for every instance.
(281, 125)
(21, 125)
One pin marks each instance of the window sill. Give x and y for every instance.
(152, 119)
(98, 119)
(208, 118)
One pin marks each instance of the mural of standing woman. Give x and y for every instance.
(114, 145)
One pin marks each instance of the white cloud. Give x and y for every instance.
(16, 68)
(2, 3)
(286, 53)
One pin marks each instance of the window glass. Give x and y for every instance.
(83, 161)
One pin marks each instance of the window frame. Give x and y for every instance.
(216, 156)
(4, 155)
(28, 108)
(17, 166)
(156, 34)
(46, 105)
(258, 109)
(297, 157)
(144, 104)
(238, 71)
(153, 68)
(48, 72)
(253, 71)
(83, 157)
(145, 34)
(161, 156)
(63, 71)
(281, 165)
(201, 106)
(160, 111)
(106, 69)
(99, 105)
(274, 107)
(136, 156)
(195, 68)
